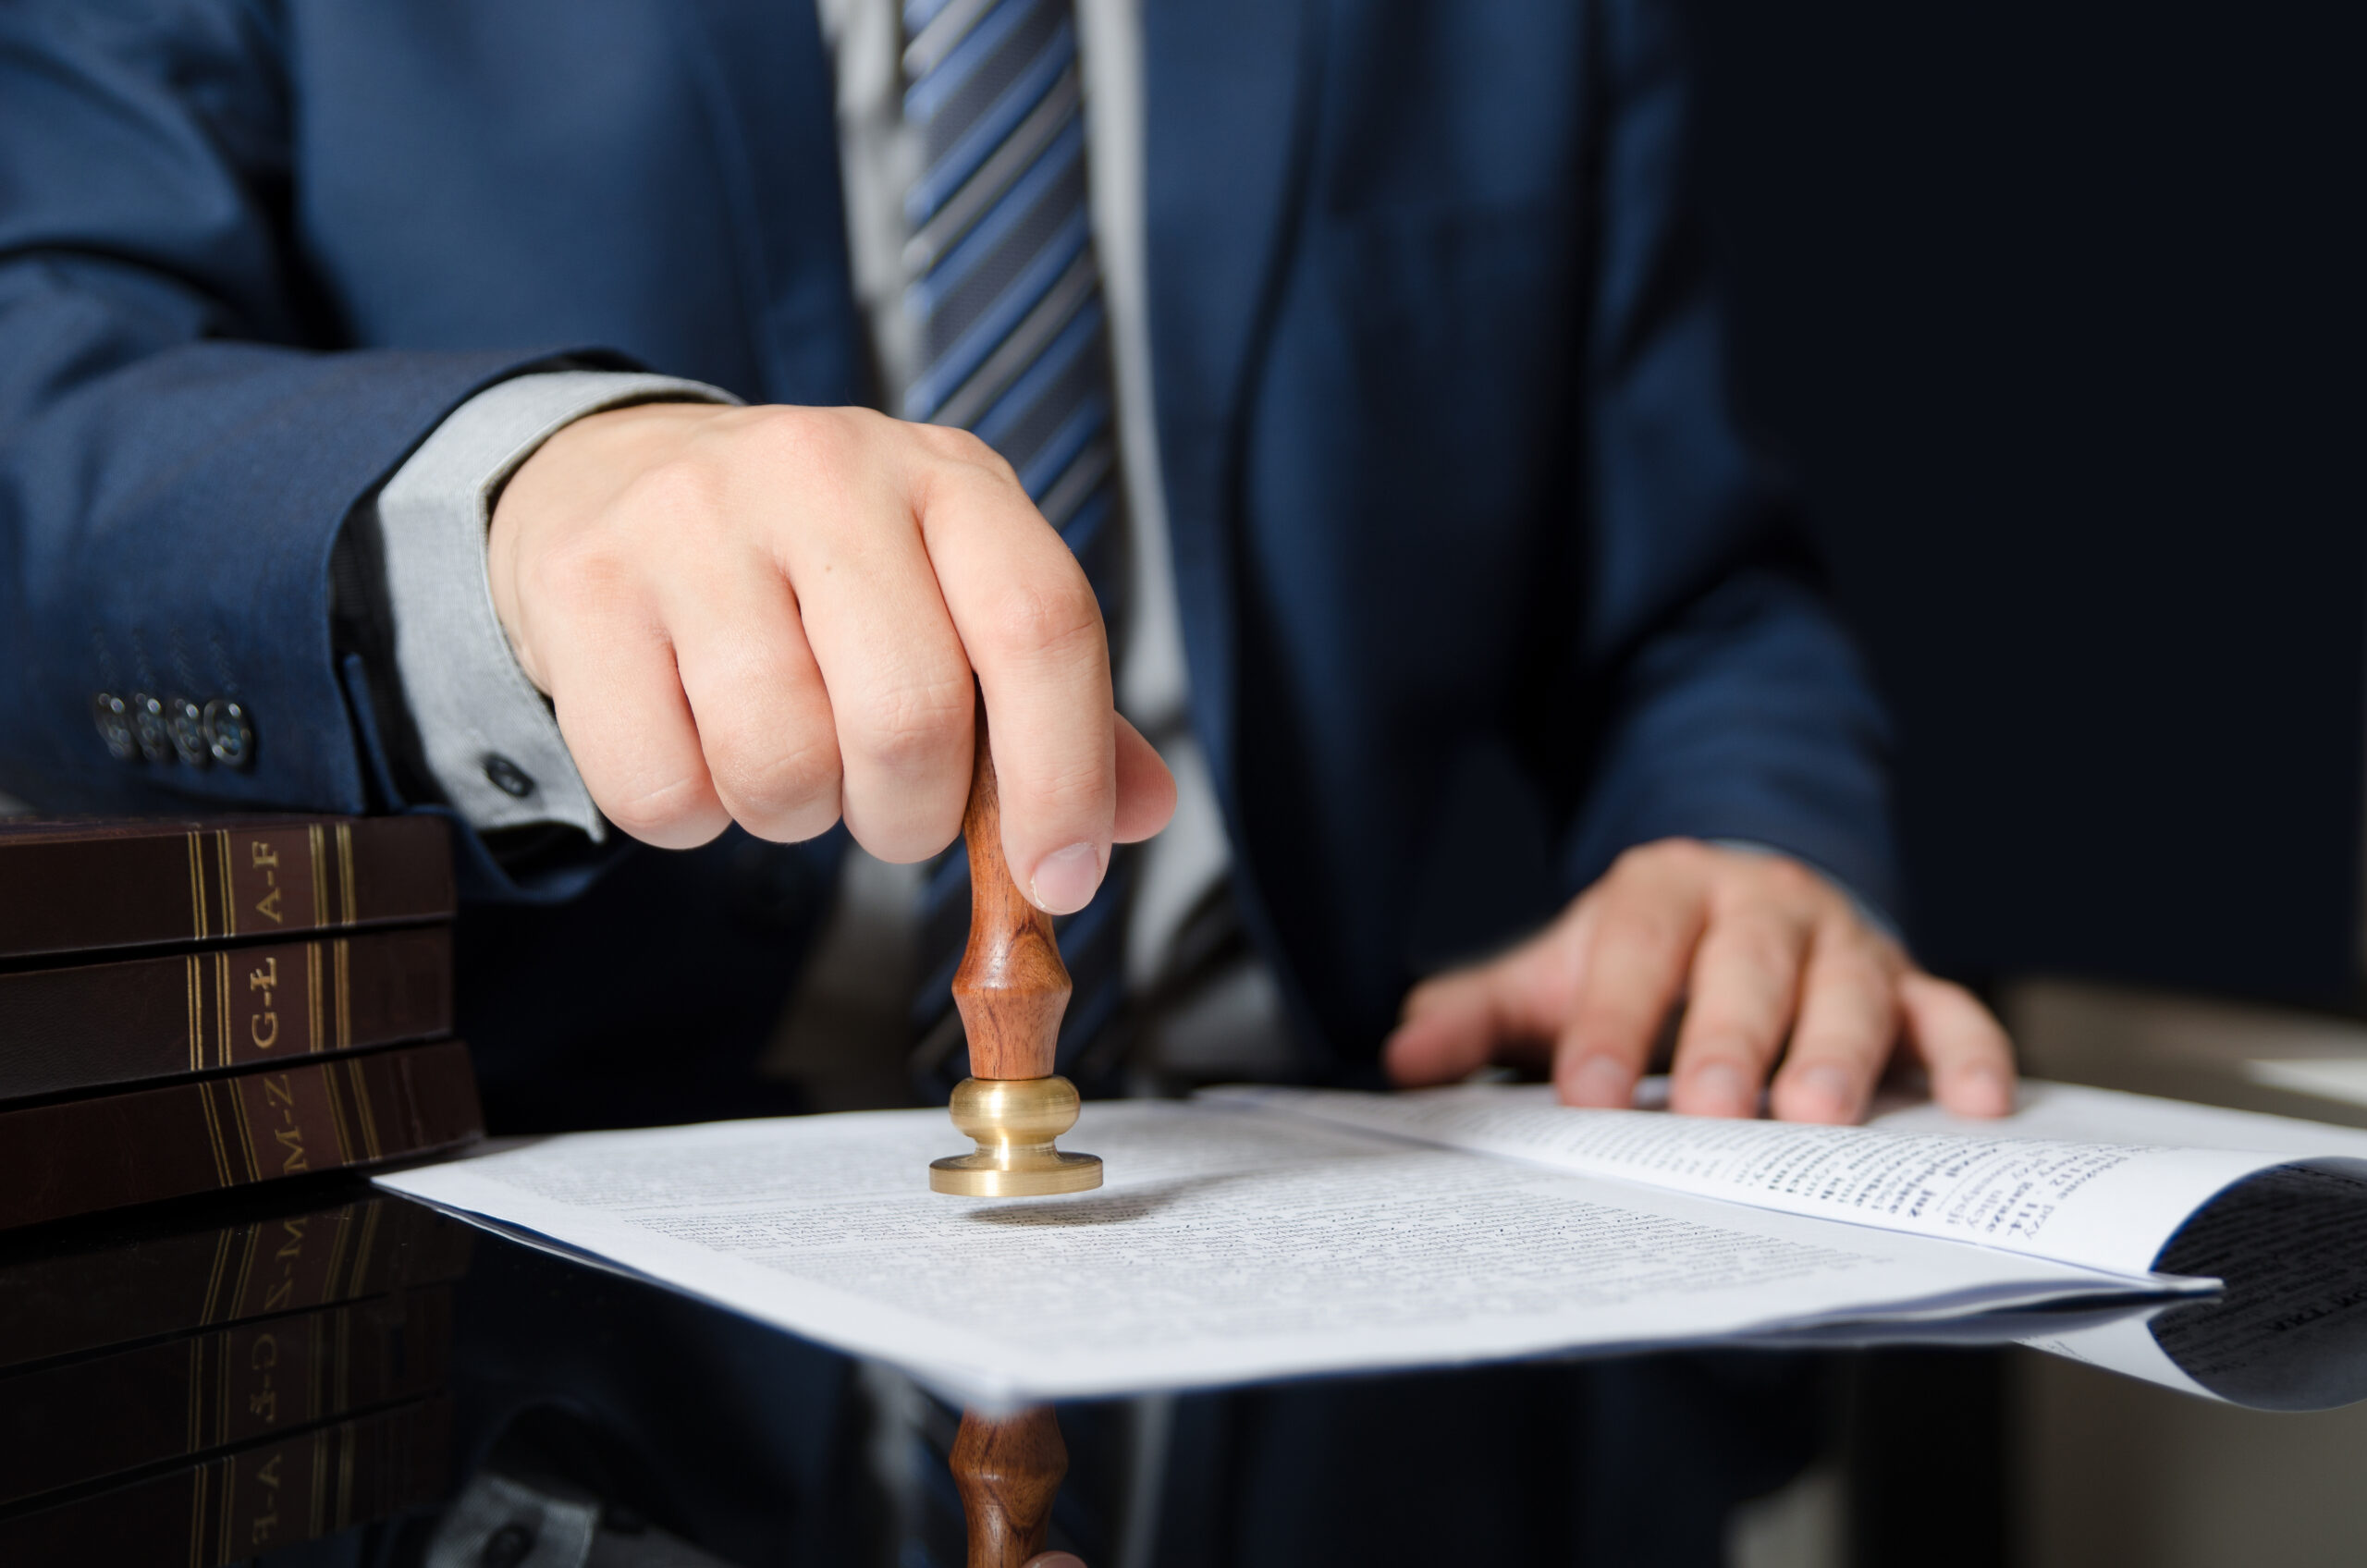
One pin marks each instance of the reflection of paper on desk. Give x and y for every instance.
(1235, 1241)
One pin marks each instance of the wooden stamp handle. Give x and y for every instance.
(1012, 987)
(1008, 1471)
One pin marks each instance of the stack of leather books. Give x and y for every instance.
(187, 1006)
(202, 1385)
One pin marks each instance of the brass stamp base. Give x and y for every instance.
(1014, 1122)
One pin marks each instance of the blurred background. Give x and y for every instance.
(2053, 311)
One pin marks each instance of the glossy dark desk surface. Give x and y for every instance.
(137, 1349)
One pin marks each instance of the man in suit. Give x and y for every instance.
(468, 409)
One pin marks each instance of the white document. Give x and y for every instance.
(1233, 1243)
(2009, 1184)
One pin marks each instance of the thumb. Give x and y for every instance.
(1054, 1559)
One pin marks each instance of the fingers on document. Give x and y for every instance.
(1847, 1024)
(1745, 986)
(1638, 950)
(1962, 1045)
(1508, 1009)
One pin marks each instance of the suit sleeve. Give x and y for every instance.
(182, 435)
(1739, 708)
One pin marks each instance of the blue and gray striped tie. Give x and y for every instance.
(1011, 344)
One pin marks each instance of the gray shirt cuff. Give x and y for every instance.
(488, 737)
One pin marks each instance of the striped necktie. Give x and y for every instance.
(1010, 343)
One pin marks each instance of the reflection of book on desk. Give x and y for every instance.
(1270, 1233)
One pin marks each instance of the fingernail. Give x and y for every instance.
(1718, 1090)
(1833, 1084)
(1602, 1081)
(1065, 880)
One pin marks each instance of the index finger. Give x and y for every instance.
(1031, 630)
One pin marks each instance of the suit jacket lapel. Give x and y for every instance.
(1228, 87)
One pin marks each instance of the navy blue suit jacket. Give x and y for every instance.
(1479, 584)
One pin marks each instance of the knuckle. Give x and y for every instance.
(583, 577)
(911, 725)
(822, 446)
(773, 786)
(678, 494)
(1056, 620)
(1762, 948)
(661, 812)
(965, 449)
(1794, 883)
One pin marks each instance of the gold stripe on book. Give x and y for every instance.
(312, 996)
(343, 1365)
(196, 1383)
(229, 1503)
(344, 994)
(320, 1482)
(214, 1301)
(246, 1133)
(315, 842)
(196, 1019)
(230, 903)
(246, 1263)
(345, 867)
(330, 1289)
(197, 1515)
(221, 1404)
(214, 1135)
(344, 1476)
(196, 889)
(221, 1008)
(362, 1248)
(361, 1109)
(338, 1118)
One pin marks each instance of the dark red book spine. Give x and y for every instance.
(278, 1493)
(75, 888)
(101, 1025)
(77, 1157)
(142, 1286)
(86, 1420)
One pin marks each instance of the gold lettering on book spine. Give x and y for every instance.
(345, 869)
